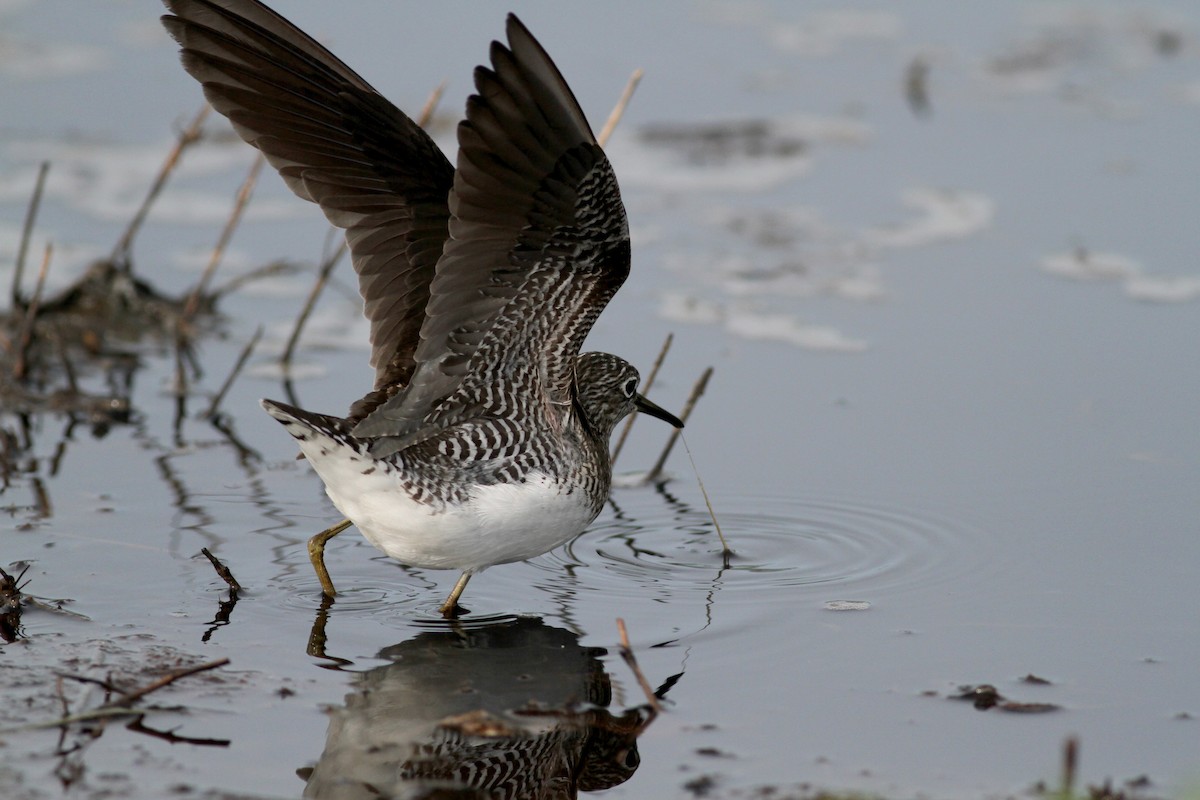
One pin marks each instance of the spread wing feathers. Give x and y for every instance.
(538, 245)
(336, 142)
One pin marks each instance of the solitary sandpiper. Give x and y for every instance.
(485, 438)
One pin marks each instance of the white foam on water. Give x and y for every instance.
(1090, 265)
(1163, 288)
(109, 182)
(941, 215)
(751, 322)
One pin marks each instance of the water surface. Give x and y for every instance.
(942, 258)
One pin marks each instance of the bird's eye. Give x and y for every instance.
(630, 387)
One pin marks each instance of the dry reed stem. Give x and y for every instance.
(235, 215)
(62, 696)
(1070, 765)
(138, 725)
(181, 343)
(697, 391)
(237, 369)
(41, 499)
(725, 549)
(181, 382)
(187, 137)
(645, 389)
(619, 109)
(132, 697)
(120, 707)
(435, 97)
(25, 339)
(322, 278)
(238, 281)
(35, 202)
(68, 368)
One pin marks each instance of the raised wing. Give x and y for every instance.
(538, 245)
(337, 142)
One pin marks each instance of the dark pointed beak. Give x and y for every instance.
(646, 407)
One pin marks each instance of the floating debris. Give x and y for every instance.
(985, 696)
(846, 605)
(10, 605)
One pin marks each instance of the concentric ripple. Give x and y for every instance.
(777, 542)
(372, 586)
(363, 587)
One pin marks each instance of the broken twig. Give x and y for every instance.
(238, 281)
(137, 725)
(129, 698)
(223, 571)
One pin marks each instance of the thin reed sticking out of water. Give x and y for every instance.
(323, 274)
(35, 202)
(697, 390)
(233, 373)
(618, 111)
(25, 338)
(187, 137)
(658, 362)
(431, 104)
(235, 215)
(726, 552)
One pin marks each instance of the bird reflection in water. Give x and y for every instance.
(516, 709)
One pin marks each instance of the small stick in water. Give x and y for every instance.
(223, 571)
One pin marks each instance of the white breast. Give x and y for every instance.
(497, 525)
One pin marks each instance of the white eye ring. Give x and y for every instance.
(630, 387)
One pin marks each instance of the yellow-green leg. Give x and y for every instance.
(450, 608)
(316, 554)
